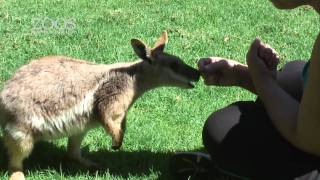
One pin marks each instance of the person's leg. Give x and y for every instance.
(218, 125)
(197, 165)
(290, 78)
(229, 134)
(254, 148)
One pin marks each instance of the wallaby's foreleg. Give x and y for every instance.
(19, 147)
(115, 125)
(74, 151)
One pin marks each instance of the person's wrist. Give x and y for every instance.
(242, 75)
(262, 76)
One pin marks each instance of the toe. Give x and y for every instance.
(17, 176)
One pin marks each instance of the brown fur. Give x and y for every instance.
(58, 96)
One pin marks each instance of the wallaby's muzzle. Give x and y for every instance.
(188, 74)
(193, 76)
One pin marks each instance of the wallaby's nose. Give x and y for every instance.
(195, 75)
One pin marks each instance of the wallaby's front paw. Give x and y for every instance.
(17, 176)
(116, 143)
(115, 147)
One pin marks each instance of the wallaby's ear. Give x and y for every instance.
(141, 49)
(161, 43)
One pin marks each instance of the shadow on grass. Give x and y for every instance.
(118, 163)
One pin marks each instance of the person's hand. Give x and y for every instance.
(314, 175)
(262, 60)
(219, 71)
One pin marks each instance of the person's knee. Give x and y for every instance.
(290, 78)
(218, 125)
(208, 138)
(294, 65)
(210, 125)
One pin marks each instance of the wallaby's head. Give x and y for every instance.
(165, 68)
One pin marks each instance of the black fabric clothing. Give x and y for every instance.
(255, 149)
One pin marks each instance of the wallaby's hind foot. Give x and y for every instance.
(19, 147)
(17, 176)
(74, 152)
(85, 163)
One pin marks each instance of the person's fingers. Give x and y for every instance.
(269, 56)
(208, 80)
(203, 61)
(254, 49)
(206, 61)
(274, 62)
(262, 50)
(213, 67)
(207, 68)
(268, 60)
(275, 57)
(213, 80)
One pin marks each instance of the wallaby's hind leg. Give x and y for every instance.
(74, 151)
(19, 147)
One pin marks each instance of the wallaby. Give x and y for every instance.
(58, 96)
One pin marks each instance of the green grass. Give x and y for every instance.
(165, 120)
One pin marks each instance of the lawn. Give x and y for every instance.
(163, 121)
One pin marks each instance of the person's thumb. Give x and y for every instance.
(253, 50)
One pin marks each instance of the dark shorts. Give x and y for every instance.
(255, 149)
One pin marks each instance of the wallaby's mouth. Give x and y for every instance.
(191, 84)
(194, 76)
(184, 76)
